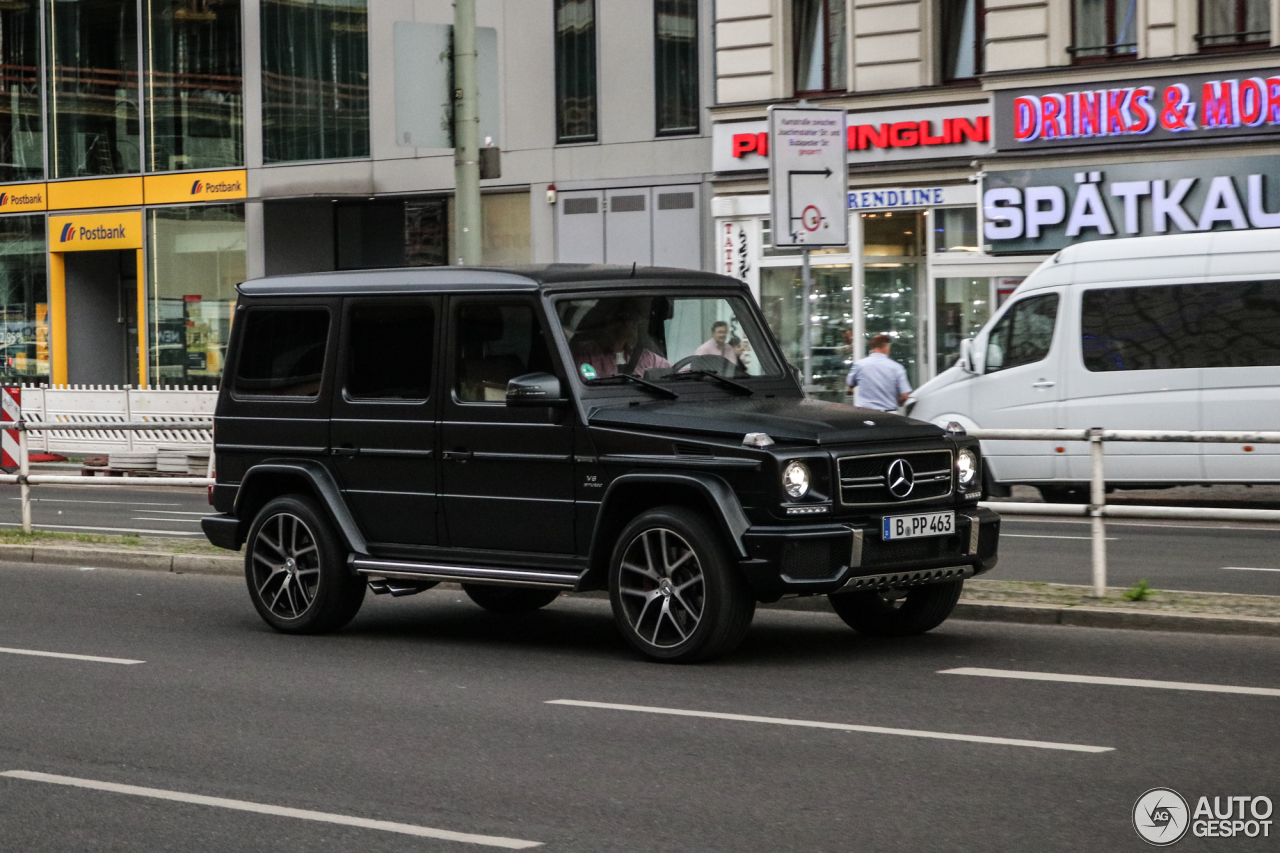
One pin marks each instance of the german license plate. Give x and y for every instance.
(922, 524)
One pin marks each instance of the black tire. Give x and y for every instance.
(296, 569)
(704, 606)
(509, 599)
(877, 614)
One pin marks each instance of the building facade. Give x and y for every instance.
(153, 153)
(983, 136)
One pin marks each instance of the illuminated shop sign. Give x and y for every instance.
(886, 135)
(1043, 210)
(1204, 107)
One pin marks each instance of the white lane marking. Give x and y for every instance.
(114, 503)
(1247, 569)
(64, 656)
(1047, 536)
(170, 520)
(279, 811)
(843, 727)
(104, 529)
(209, 511)
(1117, 682)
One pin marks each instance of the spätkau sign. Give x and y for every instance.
(1203, 107)
(1043, 210)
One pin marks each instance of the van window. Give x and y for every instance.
(1024, 334)
(1180, 326)
(389, 351)
(496, 343)
(283, 352)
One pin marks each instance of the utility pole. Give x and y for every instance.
(466, 123)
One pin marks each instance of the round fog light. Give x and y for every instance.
(795, 480)
(967, 467)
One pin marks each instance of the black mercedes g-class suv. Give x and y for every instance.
(530, 431)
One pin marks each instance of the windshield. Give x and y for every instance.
(657, 337)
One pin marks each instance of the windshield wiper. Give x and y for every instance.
(643, 383)
(737, 387)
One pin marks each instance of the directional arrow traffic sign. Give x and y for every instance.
(807, 183)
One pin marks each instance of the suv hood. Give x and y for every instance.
(785, 420)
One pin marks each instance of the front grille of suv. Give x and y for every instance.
(862, 478)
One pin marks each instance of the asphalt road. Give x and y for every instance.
(171, 511)
(431, 713)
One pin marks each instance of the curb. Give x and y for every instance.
(107, 558)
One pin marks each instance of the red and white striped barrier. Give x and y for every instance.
(10, 413)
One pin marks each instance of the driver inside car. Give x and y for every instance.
(615, 342)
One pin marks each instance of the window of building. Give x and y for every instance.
(315, 80)
(955, 229)
(830, 318)
(1024, 334)
(496, 343)
(962, 308)
(24, 300)
(195, 84)
(21, 119)
(675, 66)
(1227, 324)
(93, 88)
(283, 352)
(820, 33)
(390, 348)
(962, 54)
(1226, 24)
(1104, 30)
(197, 257)
(576, 71)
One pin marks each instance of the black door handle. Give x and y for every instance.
(459, 455)
(345, 450)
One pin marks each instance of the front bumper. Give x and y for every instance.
(821, 559)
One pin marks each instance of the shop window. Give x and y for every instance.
(955, 229)
(426, 232)
(820, 33)
(24, 300)
(1232, 24)
(675, 68)
(963, 306)
(195, 101)
(892, 294)
(962, 34)
(1104, 30)
(575, 70)
(93, 88)
(315, 80)
(197, 257)
(892, 235)
(21, 119)
(830, 314)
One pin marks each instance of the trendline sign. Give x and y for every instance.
(807, 185)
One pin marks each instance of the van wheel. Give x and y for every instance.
(676, 596)
(297, 571)
(897, 613)
(509, 599)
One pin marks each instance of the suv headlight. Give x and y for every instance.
(966, 467)
(795, 480)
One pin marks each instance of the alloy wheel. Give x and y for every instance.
(662, 587)
(286, 566)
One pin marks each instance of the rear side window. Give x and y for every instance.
(282, 354)
(1222, 324)
(389, 351)
(1024, 334)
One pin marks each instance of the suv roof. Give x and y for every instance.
(439, 279)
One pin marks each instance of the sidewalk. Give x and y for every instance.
(983, 600)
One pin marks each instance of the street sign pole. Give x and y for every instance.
(808, 191)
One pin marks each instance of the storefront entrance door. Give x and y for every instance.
(102, 318)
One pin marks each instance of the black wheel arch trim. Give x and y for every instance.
(729, 515)
(324, 488)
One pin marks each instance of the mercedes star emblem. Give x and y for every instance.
(899, 478)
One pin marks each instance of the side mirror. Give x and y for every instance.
(966, 356)
(535, 390)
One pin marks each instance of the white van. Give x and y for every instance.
(1178, 332)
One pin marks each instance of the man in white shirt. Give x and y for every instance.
(878, 381)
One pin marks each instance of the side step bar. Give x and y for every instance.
(398, 570)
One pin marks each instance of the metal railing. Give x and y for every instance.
(25, 479)
(1097, 509)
